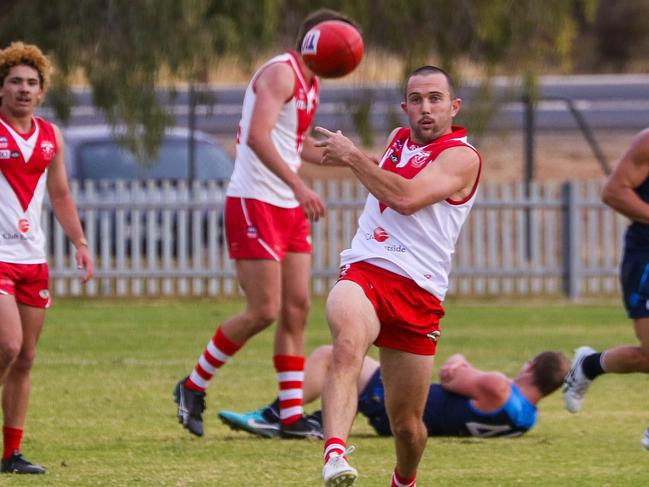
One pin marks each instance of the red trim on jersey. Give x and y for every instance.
(25, 135)
(425, 155)
(475, 184)
(23, 175)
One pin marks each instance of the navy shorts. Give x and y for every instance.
(634, 278)
(371, 404)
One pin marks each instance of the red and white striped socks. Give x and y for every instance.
(399, 481)
(334, 445)
(217, 353)
(290, 376)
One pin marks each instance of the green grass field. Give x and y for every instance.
(102, 413)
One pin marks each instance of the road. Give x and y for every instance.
(605, 102)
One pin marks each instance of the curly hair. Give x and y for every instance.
(19, 53)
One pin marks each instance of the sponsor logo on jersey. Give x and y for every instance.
(399, 249)
(394, 158)
(380, 235)
(47, 148)
(251, 231)
(4, 143)
(15, 155)
(344, 269)
(310, 42)
(419, 159)
(5, 154)
(16, 236)
(23, 225)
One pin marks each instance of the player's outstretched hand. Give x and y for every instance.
(337, 147)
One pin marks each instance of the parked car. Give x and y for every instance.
(93, 154)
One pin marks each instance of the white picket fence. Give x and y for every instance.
(153, 240)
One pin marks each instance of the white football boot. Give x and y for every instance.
(337, 472)
(576, 383)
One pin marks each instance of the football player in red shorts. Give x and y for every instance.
(394, 276)
(31, 163)
(266, 218)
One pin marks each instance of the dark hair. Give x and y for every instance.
(314, 18)
(423, 70)
(550, 368)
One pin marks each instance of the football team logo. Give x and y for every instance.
(44, 293)
(310, 42)
(380, 235)
(5, 154)
(47, 148)
(251, 231)
(23, 225)
(419, 159)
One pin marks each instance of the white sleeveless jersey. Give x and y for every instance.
(419, 246)
(23, 173)
(251, 178)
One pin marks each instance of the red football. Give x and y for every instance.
(332, 48)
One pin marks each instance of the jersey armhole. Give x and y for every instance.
(477, 179)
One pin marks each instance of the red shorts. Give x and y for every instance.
(29, 283)
(409, 316)
(258, 230)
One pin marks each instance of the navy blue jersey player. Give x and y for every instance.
(627, 192)
(466, 402)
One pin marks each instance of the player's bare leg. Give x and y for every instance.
(295, 304)
(289, 347)
(16, 386)
(20, 329)
(11, 333)
(630, 358)
(354, 326)
(406, 378)
(261, 283)
(260, 280)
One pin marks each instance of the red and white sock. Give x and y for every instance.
(334, 445)
(290, 375)
(399, 481)
(11, 438)
(217, 353)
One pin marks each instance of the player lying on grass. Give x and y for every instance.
(467, 402)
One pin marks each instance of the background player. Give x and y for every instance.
(395, 275)
(268, 233)
(626, 191)
(31, 162)
(467, 402)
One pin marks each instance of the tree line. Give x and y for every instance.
(123, 47)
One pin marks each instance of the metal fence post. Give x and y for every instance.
(571, 239)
